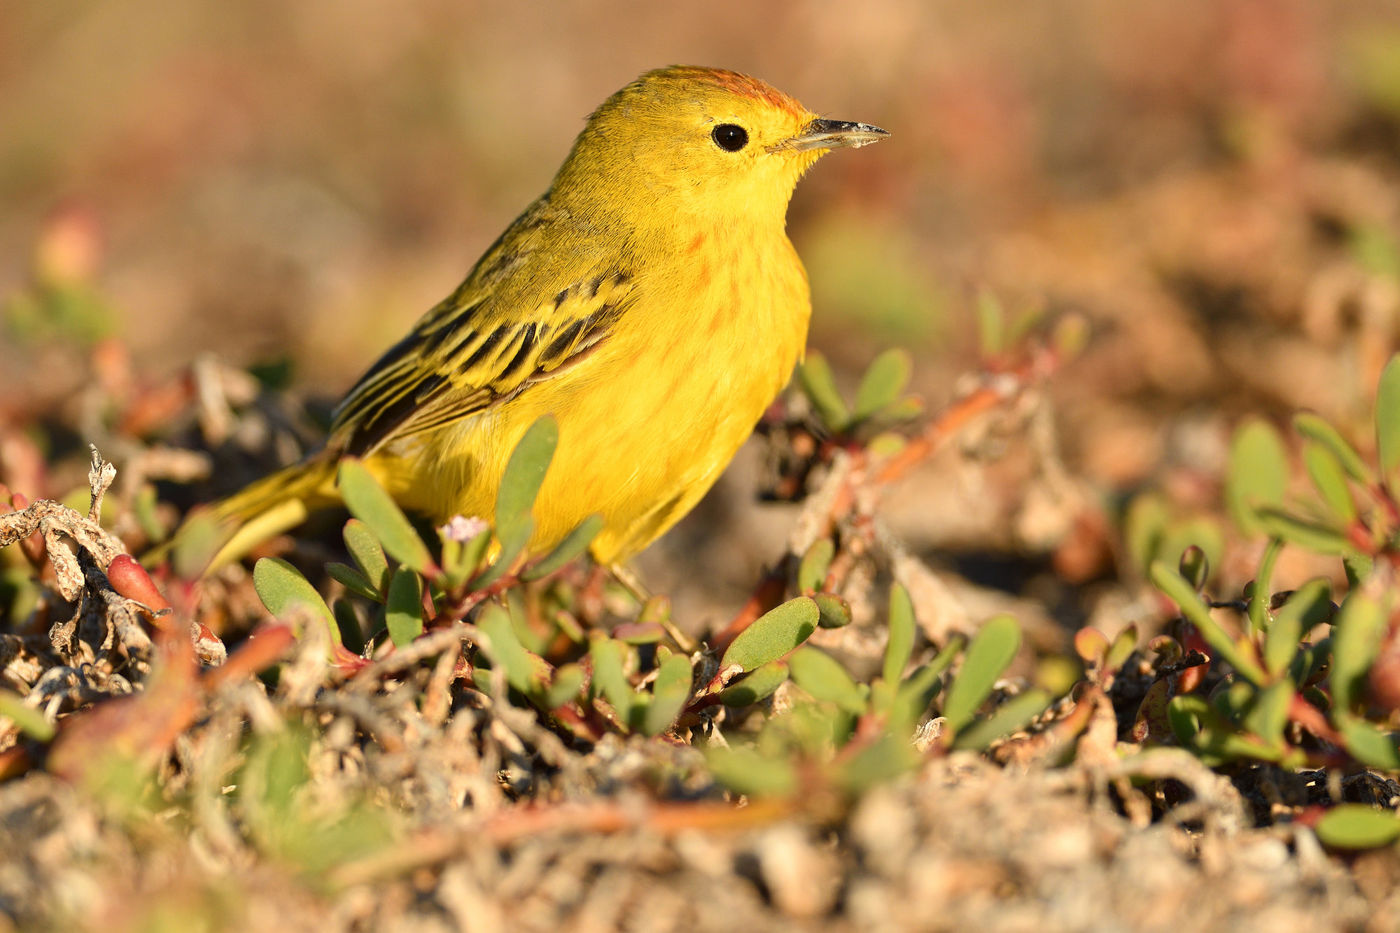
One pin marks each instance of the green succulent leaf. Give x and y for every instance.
(883, 382)
(525, 471)
(747, 771)
(832, 611)
(564, 688)
(1211, 737)
(1367, 744)
(26, 718)
(669, 694)
(461, 559)
(1185, 714)
(1259, 590)
(639, 633)
(197, 543)
(610, 677)
(756, 686)
(1313, 536)
(913, 696)
(1388, 420)
(1308, 605)
(1315, 428)
(514, 538)
(1016, 713)
(1358, 826)
(573, 545)
(772, 635)
(811, 573)
(286, 593)
(364, 548)
(1176, 588)
(820, 387)
(1202, 533)
(348, 621)
(881, 761)
(1194, 567)
(900, 646)
(1144, 526)
(1120, 648)
(823, 677)
(368, 502)
(1330, 480)
(354, 581)
(1356, 640)
(1268, 714)
(1258, 473)
(403, 609)
(524, 671)
(988, 655)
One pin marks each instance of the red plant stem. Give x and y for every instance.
(1003, 386)
(1310, 717)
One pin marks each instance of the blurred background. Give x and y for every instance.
(1214, 185)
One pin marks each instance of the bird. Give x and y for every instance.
(650, 301)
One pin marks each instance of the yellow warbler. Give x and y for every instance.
(650, 301)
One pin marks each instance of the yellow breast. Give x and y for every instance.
(649, 421)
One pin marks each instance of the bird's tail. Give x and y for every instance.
(262, 510)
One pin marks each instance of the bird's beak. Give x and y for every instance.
(833, 134)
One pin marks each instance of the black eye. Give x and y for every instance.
(730, 137)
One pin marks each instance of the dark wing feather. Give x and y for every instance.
(521, 317)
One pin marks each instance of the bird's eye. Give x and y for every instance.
(730, 137)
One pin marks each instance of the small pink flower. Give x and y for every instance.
(461, 528)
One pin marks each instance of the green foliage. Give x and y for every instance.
(900, 645)
(524, 474)
(364, 548)
(1009, 717)
(403, 607)
(1388, 421)
(28, 719)
(199, 540)
(824, 678)
(1175, 586)
(275, 798)
(572, 547)
(1152, 533)
(669, 694)
(998, 331)
(1281, 679)
(757, 686)
(746, 770)
(882, 384)
(772, 635)
(820, 385)
(1357, 826)
(289, 596)
(1258, 473)
(811, 572)
(832, 611)
(880, 400)
(861, 734)
(368, 502)
(987, 658)
(523, 669)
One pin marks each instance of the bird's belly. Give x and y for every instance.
(646, 425)
(644, 452)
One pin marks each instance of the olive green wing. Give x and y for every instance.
(523, 316)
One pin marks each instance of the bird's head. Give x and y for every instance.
(704, 140)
